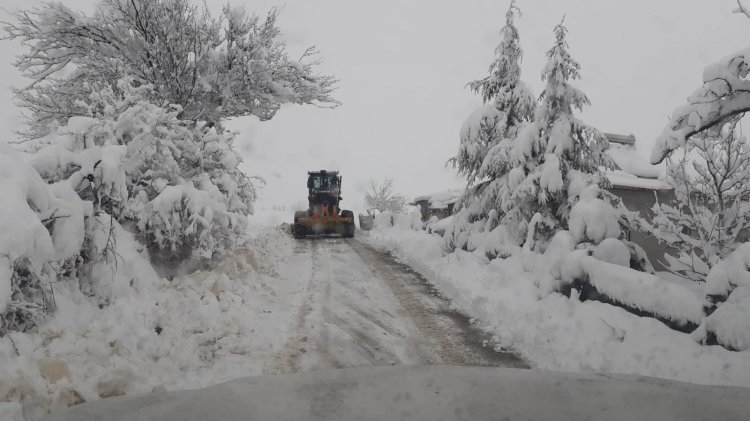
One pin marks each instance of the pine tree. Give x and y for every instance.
(555, 157)
(487, 134)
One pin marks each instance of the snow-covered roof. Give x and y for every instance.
(625, 180)
(631, 162)
(633, 170)
(620, 138)
(441, 199)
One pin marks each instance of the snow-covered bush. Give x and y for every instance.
(41, 227)
(728, 301)
(176, 181)
(594, 218)
(710, 176)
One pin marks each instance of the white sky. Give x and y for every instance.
(403, 66)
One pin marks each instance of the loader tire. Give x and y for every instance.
(299, 230)
(349, 228)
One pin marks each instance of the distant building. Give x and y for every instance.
(437, 204)
(639, 184)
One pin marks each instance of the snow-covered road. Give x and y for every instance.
(362, 308)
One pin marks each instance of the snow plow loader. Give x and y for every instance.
(323, 215)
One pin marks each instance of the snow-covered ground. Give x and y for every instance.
(274, 306)
(555, 332)
(193, 331)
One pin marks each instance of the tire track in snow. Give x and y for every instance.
(450, 332)
(362, 308)
(286, 360)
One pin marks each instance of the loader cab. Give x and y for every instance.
(324, 182)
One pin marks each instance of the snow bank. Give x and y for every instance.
(728, 293)
(556, 332)
(194, 331)
(641, 292)
(410, 220)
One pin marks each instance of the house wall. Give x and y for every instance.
(428, 212)
(641, 201)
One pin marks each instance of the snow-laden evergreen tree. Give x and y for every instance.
(711, 180)
(555, 157)
(487, 134)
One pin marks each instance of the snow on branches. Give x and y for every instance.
(487, 134)
(382, 198)
(711, 181)
(556, 156)
(508, 103)
(212, 68)
(725, 94)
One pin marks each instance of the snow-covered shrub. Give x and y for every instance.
(41, 226)
(183, 221)
(176, 181)
(594, 219)
(711, 180)
(728, 301)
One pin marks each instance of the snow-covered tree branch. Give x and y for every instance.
(724, 95)
(213, 68)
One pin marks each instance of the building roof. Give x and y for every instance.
(622, 139)
(441, 199)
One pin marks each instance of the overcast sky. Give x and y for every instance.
(403, 67)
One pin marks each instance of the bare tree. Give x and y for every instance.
(711, 209)
(212, 68)
(382, 198)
